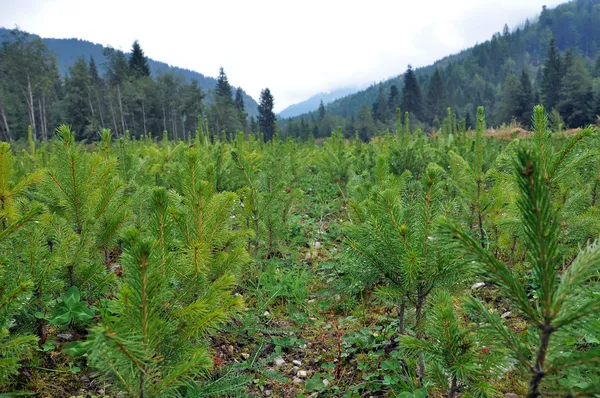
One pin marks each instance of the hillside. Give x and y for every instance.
(489, 74)
(312, 103)
(67, 51)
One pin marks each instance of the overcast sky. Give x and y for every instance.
(296, 48)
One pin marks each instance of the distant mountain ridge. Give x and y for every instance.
(312, 103)
(67, 51)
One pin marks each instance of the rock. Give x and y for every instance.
(302, 374)
(317, 245)
(478, 285)
(267, 313)
(267, 393)
(245, 355)
(510, 395)
(278, 362)
(325, 382)
(64, 336)
(230, 350)
(507, 314)
(297, 380)
(296, 362)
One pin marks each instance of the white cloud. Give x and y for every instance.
(294, 48)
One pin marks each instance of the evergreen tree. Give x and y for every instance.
(525, 100)
(322, 112)
(380, 107)
(510, 105)
(393, 99)
(552, 78)
(138, 63)
(224, 114)
(223, 90)
(411, 94)
(436, 97)
(597, 67)
(239, 100)
(577, 105)
(266, 117)
(94, 71)
(550, 294)
(78, 110)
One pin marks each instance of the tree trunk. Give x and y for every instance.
(419, 328)
(121, 108)
(5, 120)
(164, 117)
(99, 108)
(144, 118)
(401, 312)
(453, 387)
(112, 113)
(538, 369)
(31, 108)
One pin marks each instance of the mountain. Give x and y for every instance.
(67, 51)
(312, 103)
(492, 74)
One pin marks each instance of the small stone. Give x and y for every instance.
(267, 313)
(317, 245)
(507, 314)
(230, 349)
(278, 362)
(478, 285)
(267, 393)
(302, 374)
(325, 382)
(64, 336)
(297, 380)
(510, 395)
(245, 355)
(85, 379)
(296, 362)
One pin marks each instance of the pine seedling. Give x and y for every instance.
(460, 361)
(555, 297)
(392, 234)
(85, 193)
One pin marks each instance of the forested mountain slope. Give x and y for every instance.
(507, 74)
(67, 51)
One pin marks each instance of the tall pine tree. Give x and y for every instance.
(552, 78)
(411, 94)
(525, 100)
(266, 117)
(436, 97)
(138, 63)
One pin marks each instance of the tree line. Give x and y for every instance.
(125, 97)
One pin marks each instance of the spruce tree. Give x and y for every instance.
(552, 78)
(436, 97)
(266, 116)
(322, 112)
(525, 100)
(239, 101)
(380, 106)
(393, 99)
(577, 101)
(138, 63)
(411, 94)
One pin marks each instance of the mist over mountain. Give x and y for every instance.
(312, 103)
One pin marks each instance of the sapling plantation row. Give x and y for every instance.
(413, 265)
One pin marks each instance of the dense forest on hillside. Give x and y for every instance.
(507, 74)
(458, 264)
(121, 94)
